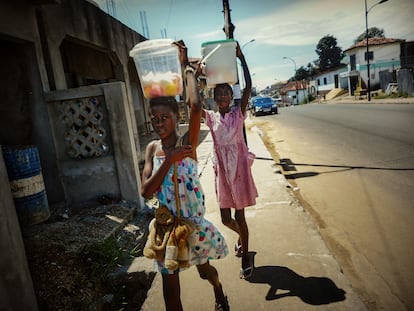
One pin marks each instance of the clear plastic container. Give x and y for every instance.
(220, 61)
(159, 67)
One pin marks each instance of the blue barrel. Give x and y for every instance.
(26, 183)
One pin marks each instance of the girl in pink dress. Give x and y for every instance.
(234, 184)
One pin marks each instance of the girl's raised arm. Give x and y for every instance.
(248, 80)
(192, 136)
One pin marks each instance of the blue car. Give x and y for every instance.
(263, 105)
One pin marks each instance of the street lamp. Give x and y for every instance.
(366, 37)
(252, 40)
(296, 82)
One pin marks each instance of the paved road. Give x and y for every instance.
(355, 168)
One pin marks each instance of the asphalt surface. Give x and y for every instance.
(293, 268)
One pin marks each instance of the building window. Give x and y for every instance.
(371, 55)
(324, 81)
(319, 82)
(84, 131)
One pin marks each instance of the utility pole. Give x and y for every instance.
(367, 45)
(296, 81)
(228, 26)
(229, 31)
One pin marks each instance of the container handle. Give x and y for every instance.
(203, 61)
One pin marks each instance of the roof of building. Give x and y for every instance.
(374, 41)
(336, 68)
(292, 85)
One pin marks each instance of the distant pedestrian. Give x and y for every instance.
(234, 184)
(158, 179)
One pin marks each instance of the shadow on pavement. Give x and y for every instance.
(203, 135)
(311, 290)
(288, 166)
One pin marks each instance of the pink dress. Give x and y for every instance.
(235, 187)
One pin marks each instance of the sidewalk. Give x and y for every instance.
(293, 269)
(347, 99)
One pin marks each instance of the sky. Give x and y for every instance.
(279, 28)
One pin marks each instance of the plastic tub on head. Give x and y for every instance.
(159, 68)
(219, 58)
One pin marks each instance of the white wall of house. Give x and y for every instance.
(302, 95)
(386, 57)
(325, 82)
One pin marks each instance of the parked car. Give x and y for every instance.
(278, 101)
(263, 105)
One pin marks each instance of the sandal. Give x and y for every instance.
(238, 252)
(221, 306)
(246, 273)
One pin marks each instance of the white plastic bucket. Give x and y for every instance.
(159, 67)
(220, 61)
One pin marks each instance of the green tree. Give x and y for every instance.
(330, 54)
(301, 73)
(373, 32)
(312, 70)
(304, 73)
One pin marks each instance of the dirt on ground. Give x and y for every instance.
(71, 254)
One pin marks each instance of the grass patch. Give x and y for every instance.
(98, 260)
(103, 257)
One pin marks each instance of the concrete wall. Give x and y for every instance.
(23, 78)
(16, 287)
(111, 171)
(56, 45)
(405, 78)
(323, 87)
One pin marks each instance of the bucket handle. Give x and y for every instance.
(203, 61)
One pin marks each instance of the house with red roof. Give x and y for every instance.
(294, 92)
(384, 58)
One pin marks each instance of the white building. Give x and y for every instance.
(330, 79)
(384, 53)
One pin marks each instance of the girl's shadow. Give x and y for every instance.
(311, 290)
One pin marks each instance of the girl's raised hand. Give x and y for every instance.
(179, 153)
(239, 53)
